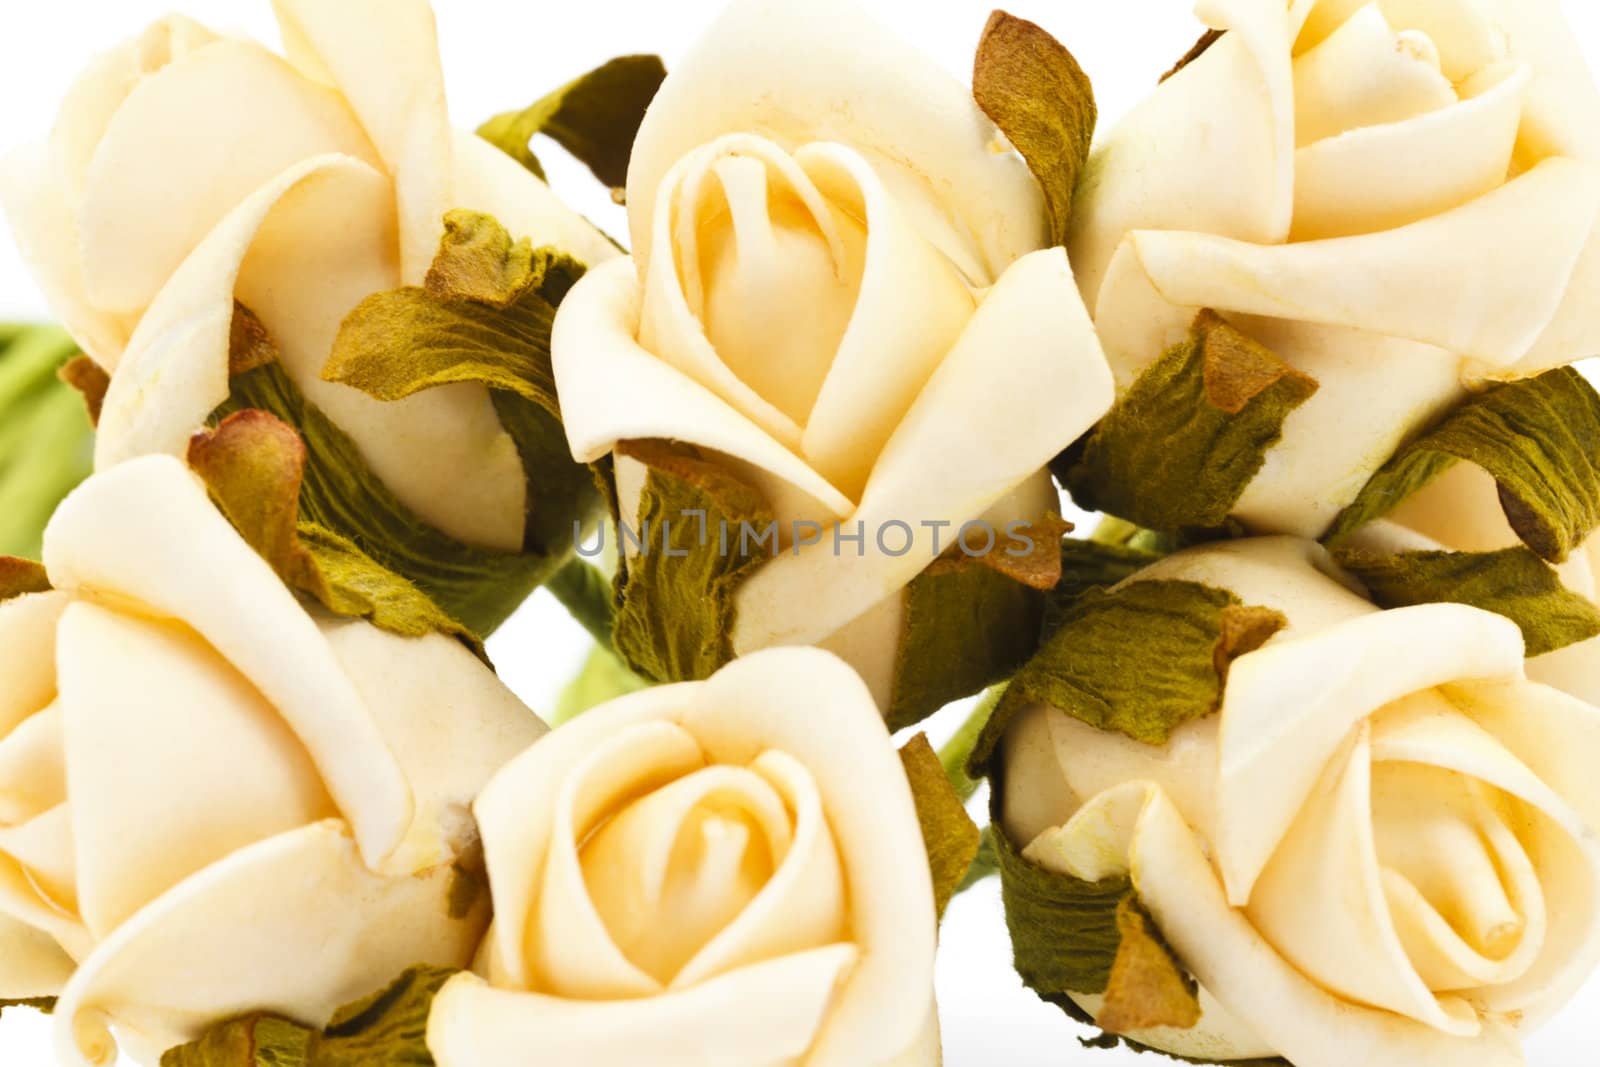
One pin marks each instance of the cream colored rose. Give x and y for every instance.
(1461, 511)
(1399, 198)
(187, 170)
(725, 873)
(214, 800)
(1381, 851)
(832, 288)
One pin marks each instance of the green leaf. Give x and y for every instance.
(589, 597)
(967, 626)
(387, 1029)
(484, 315)
(19, 577)
(603, 677)
(1538, 438)
(675, 620)
(595, 117)
(341, 494)
(254, 465)
(1142, 659)
(1179, 449)
(1069, 935)
(1512, 582)
(1034, 90)
(948, 832)
(46, 439)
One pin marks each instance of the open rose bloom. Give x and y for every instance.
(726, 873)
(188, 170)
(837, 289)
(214, 800)
(1382, 849)
(1397, 198)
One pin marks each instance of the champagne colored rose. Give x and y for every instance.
(214, 800)
(1398, 198)
(725, 873)
(1381, 850)
(836, 288)
(187, 170)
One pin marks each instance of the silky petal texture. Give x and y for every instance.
(489, 181)
(448, 720)
(295, 925)
(765, 1015)
(1373, 394)
(1566, 849)
(1025, 380)
(1211, 150)
(1136, 829)
(128, 687)
(1412, 282)
(830, 73)
(45, 232)
(177, 557)
(32, 964)
(613, 390)
(383, 55)
(156, 187)
(1368, 180)
(1572, 332)
(1327, 866)
(1562, 117)
(831, 753)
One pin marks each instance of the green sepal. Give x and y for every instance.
(19, 577)
(339, 493)
(386, 1029)
(46, 1005)
(46, 439)
(1070, 936)
(249, 1041)
(603, 677)
(254, 465)
(595, 117)
(966, 626)
(1538, 438)
(589, 597)
(676, 608)
(1513, 582)
(483, 315)
(1179, 449)
(1142, 659)
(948, 832)
(1034, 90)
(1087, 565)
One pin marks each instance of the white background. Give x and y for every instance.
(500, 54)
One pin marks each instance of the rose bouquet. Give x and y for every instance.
(1289, 759)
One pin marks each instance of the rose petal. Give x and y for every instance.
(158, 185)
(911, 308)
(613, 390)
(296, 925)
(31, 963)
(383, 55)
(1024, 381)
(175, 555)
(1175, 163)
(829, 73)
(1135, 827)
(1355, 183)
(1412, 282)
(765, 1015)
(1563, 112)
(811, 707)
